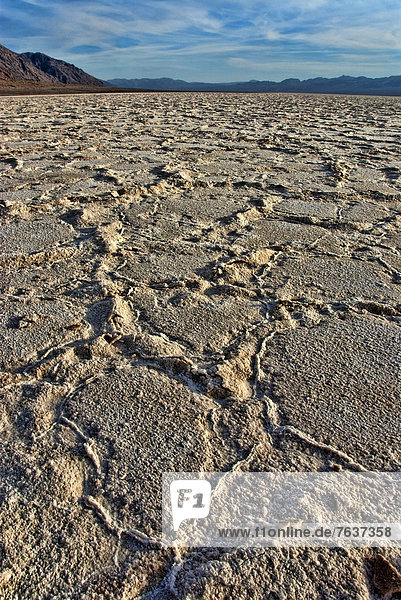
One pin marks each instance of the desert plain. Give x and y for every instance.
(192, 282)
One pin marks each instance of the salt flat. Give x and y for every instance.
(190, 281)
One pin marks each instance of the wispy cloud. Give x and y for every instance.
(219, 39)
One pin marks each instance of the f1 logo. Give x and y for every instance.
(190, 499)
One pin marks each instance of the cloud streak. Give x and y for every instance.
(218, 38)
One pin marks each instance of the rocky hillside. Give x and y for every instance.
(60, 70)
(35, 66)
(16, 66)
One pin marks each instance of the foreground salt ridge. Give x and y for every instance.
(192, 282)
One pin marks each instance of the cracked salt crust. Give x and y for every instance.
(190, 282)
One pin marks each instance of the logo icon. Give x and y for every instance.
(190, 499)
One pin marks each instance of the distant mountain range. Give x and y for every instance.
(386, 86)
(43, 69)
(35, 66)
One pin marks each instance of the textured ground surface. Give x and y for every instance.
(190, 281)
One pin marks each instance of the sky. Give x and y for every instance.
(210, 40)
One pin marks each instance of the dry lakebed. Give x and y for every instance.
(192, 282)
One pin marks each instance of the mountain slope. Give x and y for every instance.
(388, 86)
(35, 66)
(15, 66)
(59, 69)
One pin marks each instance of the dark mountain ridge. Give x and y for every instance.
(16, 67)
(386, 86)
(63, 71)
(35, 66)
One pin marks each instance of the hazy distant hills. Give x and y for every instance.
(386, 86)
(35, 66)
(40, 68)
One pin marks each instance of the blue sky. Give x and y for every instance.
(210, 40)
